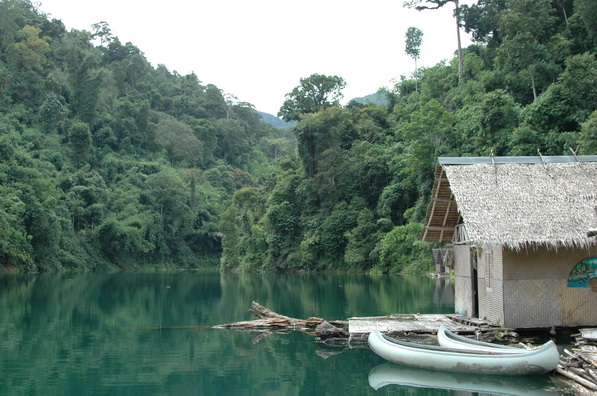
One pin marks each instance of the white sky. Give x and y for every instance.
(258, 50)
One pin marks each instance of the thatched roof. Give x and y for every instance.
(515, 201)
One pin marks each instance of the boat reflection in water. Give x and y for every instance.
(392, 374)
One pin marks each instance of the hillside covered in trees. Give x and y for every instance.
(109, 163)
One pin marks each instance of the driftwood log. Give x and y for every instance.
(271, 321)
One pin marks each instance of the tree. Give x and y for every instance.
(283, 227)
(79, 137)
(316, 133)
(179, 141)
(414, 39)
(103, 32)
(121, 242)
(233, 142)
(425, 135)
(86, 197)
(482, 20)
(314, 93)
(15, 248)
(589, 134)
(30, 51)
(434, 5)
(215, 103)
(244, 244)
(402, 251)
(80, 60)
(206, 132)
(579, 82)
(498, 116)
(11, 11)
(587, 10)
(52, 112)
(167, 194)
(361, 242)
(526, 31)
(333, 235)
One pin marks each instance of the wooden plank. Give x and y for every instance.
(590, 334)
(429, 323)
(439, 228)
(434, 198)
(445, 219)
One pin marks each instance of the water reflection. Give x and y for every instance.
(337, 296)
(443, 293)
(148, 333)
(391, 374)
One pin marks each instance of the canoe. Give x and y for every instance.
(446, 338)
(538, 361)
(389, 375)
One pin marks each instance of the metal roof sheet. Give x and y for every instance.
(516, 160)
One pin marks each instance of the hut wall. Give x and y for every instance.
(462, 280)
(491, 283)
(536, 292)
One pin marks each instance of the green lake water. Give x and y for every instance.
(150, 334)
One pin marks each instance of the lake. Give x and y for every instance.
(150, 334)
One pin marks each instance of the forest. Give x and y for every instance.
(109, 164)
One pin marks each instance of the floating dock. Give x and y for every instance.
(416, 323)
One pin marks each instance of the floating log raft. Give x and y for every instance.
(355, 330)
(273, 321)
(579, 366)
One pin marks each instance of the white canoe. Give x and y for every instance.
(446, 338)
(538, 361)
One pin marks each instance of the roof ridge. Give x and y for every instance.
(535, 159)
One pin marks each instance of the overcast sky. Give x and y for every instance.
(258, 50)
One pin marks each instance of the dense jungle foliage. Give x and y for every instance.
(109, 163)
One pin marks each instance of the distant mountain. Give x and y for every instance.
(373, 98)
(275, 121)
(280, 123)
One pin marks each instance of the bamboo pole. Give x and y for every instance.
(576, 378)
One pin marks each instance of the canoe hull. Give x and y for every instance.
(539, 361)
(448, 339)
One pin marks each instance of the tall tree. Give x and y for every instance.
(102, 31)
(414, 39)
(481, 20)
(420, 5)
(314, 93)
